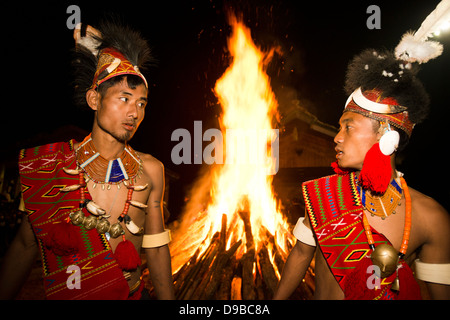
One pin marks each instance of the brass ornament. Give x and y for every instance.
(116, 230)
(103, 226)
(396, 284)
(386, 258)
(77, 217)
(90, 222)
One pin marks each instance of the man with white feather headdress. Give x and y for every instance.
(372, 228)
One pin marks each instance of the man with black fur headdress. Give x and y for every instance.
(368, 225)
(93, 205)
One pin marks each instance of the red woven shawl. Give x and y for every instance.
(42, 177)
(335, 211)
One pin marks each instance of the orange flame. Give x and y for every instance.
(243, 182)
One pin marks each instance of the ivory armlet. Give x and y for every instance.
(433, 272)
(156, 240)
(303, 233)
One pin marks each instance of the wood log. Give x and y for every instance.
(248, 281)
(224, 291)
(179, 277)
(217, 271)
(245, 216)
(267, 271)
(259, 286)
(223, 232)
(236, 288)
(190, 282)
(202, 272)
(206, 276)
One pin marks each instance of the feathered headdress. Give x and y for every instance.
(109, 51)
(415, 46)
(383, 85)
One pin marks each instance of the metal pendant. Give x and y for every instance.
(396, 284)
(386, 258)
(103, 226)
(116, 230)
(77, 217)
(90, 222)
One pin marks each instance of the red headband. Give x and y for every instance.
(112, 63)
(371, 104)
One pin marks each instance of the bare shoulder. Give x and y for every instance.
(151, 165)
(431, 216)
(426, 206)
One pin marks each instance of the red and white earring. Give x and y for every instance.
(377, 171)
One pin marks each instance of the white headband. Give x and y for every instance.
(373, 106)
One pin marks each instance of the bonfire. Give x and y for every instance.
(232, 240)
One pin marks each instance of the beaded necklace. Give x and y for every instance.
(384, 255)
(92, 166)
(104, 172)
(383, 205)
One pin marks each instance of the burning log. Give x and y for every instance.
(236, 287)
(200, 279)
(177, 278)
(218, 273)
(259, 286)
(190, 282)
(223, 232)
(218, 270)
(267, 271)
(209, 274)
(248, 284)
(245, 216)
(225, 289)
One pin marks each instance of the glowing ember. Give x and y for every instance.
(241, 188)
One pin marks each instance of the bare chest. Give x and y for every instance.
(114, 201)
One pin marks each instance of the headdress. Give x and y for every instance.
(382, 85)
(386, 89)
(111, 50)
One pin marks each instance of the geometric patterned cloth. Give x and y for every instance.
(42, 177)
(335, 211)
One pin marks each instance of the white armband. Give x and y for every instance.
(156, 240)
(433, 272)
(303, 233)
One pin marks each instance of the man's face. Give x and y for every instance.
(121, 110)
(355, 137)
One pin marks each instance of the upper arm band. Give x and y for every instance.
(433, 272)
(156, 240)
(303, 233)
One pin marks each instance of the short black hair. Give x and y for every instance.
(132, 81)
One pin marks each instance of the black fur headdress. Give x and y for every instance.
(373, 69)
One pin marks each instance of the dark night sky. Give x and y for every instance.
(317, 38)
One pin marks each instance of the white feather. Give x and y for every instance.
(435, 21)
(416, 47)
(88, 40)
(412, 50)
